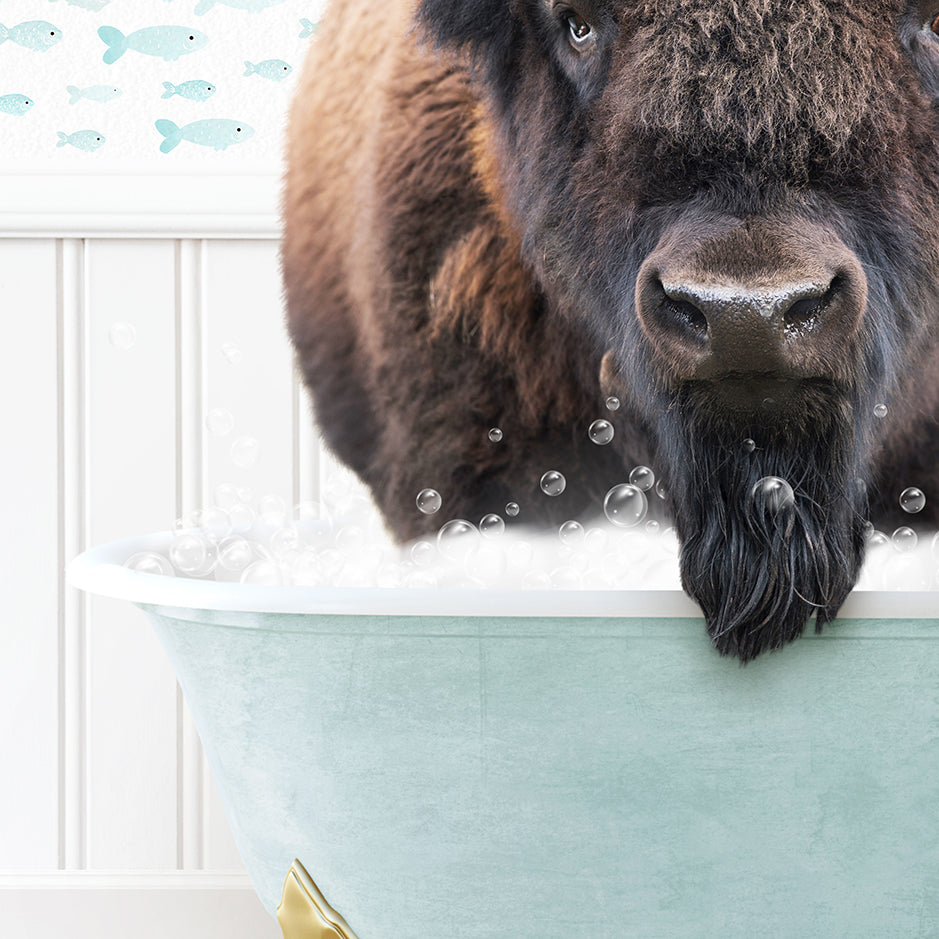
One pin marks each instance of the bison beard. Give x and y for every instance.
(760, 574)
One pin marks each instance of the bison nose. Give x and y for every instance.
(795, 317)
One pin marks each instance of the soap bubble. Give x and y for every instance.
(189, 552)
(350, 539)
(423, 553)
(912, 500)
(553, 483)
(596, 540)
(600, 432)
(245, 451)
(660, 490)
(231, 352)
(149, 562)
(272, 509)
(773, 494)
(429, 501)
(642, 478)
(652, 526)
(876, 538)
(420, 580)
(214, 522)
(284, 542)
(520, 554)
(512, 509)
(122, 336)
(748, 446)
(495, 435)
(235, 554)
(457, 539)
(880, 410)
(536, 580)
(242, 517)
(264, 573)
(226, 495)
(219, 421)
(331, 562)
(625, 505)
(904, 539)
(491, 525)
(612, 403)
(571, 533)
(566, 578)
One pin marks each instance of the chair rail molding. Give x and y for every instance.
(124, 204)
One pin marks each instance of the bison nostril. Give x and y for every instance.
(679, 313)
(689, 315)
(806, 310)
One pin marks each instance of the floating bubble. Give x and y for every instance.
(491, 525)
(512, 509)
(520, 554)
(912, 500)
(219, 422)
(122, 336)
(566, 578)
(553, 483)
(149, 562)
(245, 451)
(331, 562)
(189, 552)
(308, 511)
(457, 540)
(571, 533)
(904, 539)
(495, 435)
(231, 352)
(769, 403)
(880, 410)
(214, 522)
(876, 538)
(652, 526)
(772, 494)
(350, 538)
(660, 490)
(263, 573)
(612, 403)
(748, 446)
(600, 432)
(625, 505)
(429, 501)
(642, 478)
(423, 553)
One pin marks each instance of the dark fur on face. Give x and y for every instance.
(759, 564)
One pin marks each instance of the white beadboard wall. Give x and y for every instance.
(109, 817)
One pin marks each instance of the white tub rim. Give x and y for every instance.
(100, 570)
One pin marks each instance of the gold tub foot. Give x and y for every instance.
(303, 912)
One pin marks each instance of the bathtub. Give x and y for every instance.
(544, 764)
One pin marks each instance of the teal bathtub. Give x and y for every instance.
(551, 764)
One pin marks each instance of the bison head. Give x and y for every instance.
(737, 200)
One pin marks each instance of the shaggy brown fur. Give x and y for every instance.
(471, 197)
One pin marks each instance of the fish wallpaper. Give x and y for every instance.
(147, 85)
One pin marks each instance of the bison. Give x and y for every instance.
(724, 212)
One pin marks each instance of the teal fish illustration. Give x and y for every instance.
(217, 133)
(274, 69)
(309, 27)
(15, 104)
(87, 140)
(37, 35)
(168, 42)
(94, 5)
(102, 93)
(252, 6)
(195, 90)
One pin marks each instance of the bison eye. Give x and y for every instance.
(580, 30)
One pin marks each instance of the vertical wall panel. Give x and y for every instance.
(132, 725)
(28, 556)
(248, 366)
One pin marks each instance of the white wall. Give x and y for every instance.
(106, 802)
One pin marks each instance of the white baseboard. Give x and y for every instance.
(101, 905)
